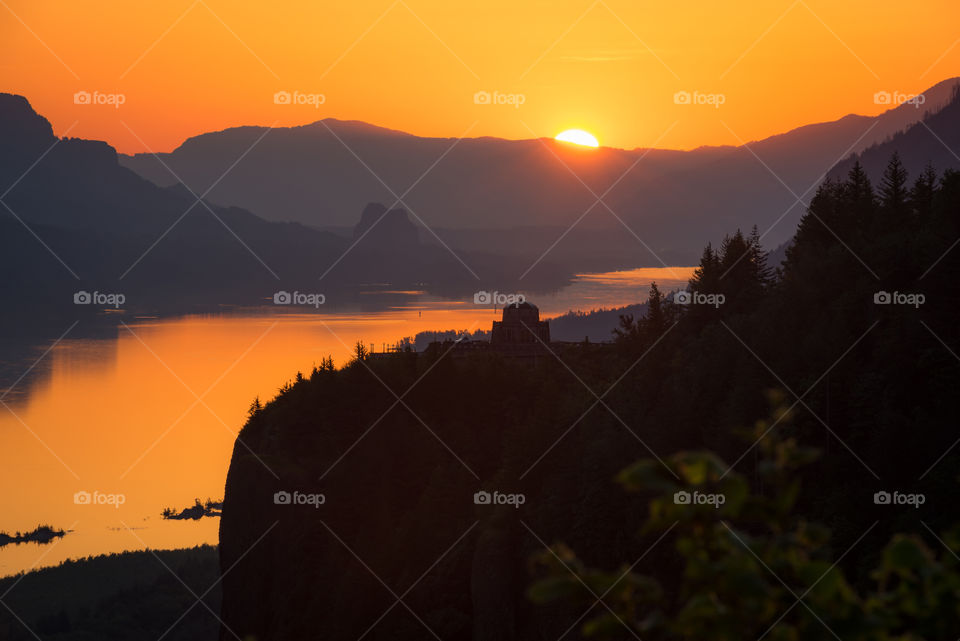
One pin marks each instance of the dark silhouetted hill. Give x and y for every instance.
(79, 220)
(320, 174)
(402, 516)
(935, 141)
(125, 597)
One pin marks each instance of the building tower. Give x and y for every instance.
(520, 326)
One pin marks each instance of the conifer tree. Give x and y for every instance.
(813, 231)
(921, 195)
(856, 206)
(655, 321)
(706, 277)
(893, 186)
(758, 258)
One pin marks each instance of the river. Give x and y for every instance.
(143, 414)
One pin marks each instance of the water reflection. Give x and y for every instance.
(147, 409)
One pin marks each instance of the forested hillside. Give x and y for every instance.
(857, 332)
(129, 596)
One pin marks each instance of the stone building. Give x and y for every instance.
(520, 326)
(519, 334)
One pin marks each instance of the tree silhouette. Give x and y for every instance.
(894, 193)
(921, 195)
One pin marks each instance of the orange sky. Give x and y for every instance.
(610, 67)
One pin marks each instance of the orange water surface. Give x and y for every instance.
(150, 411)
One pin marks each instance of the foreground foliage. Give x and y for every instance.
(751, 567)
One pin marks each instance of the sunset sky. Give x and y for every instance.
(610, 67)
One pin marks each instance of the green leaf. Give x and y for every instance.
(605, 625)
(646, 474)
(554, 588)
(905, 554)
(698, 468)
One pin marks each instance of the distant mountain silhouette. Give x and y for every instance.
(934, 141)
(385, 229)
(79, 220)
(320, 174)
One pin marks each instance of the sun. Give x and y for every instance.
(578, 137)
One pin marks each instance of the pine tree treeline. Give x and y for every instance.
(738, 272)
(868, 383)
(798, 318)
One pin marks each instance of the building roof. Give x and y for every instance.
(523, 305)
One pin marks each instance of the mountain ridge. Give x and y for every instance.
(82, 221)
(938, 94)
(321, 173)
(931, 141)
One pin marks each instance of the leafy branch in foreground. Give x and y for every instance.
(748, 566)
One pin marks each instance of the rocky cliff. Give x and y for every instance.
(399, 546)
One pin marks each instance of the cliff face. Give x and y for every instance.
(24, 130)
(77, 219)
(398, 516)
(384, 229)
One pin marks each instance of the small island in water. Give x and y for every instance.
(196, 512)
(42, 534)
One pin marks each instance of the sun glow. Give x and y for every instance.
(578, 137)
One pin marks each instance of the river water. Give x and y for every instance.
(142, 415)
